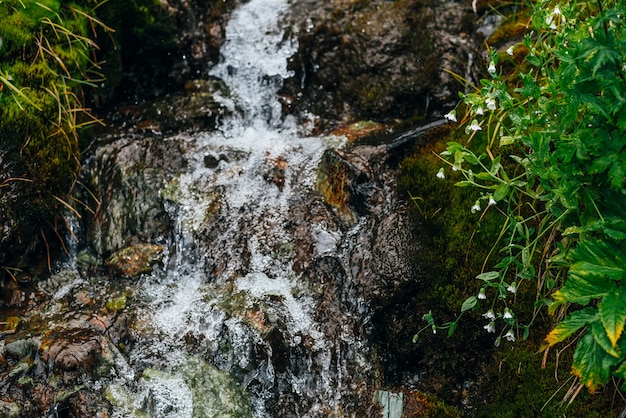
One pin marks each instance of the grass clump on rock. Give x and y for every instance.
(46, 58)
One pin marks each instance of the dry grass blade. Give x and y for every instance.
(68, 206)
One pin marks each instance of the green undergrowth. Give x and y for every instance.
(519, 382)
(457, 245)
(46, 58)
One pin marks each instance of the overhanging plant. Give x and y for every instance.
(555, 164)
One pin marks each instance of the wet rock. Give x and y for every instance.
(123, 180)
(8, 324)
(22, 348)
(346, 184)
(194, 389)
(392, 403)
(380, 60)
(356, 131)
(77, 351)
(156, 47)
(10, 409)
(135, 260)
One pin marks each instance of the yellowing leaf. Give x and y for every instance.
(591, 364)
(572, 323)
(612, 311)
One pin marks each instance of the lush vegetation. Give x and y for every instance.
(546, 149)
(47, 55)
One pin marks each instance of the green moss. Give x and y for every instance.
(455, 243)
(45, 59)
(516, 379)
(458, 241)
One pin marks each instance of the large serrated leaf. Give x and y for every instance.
(598, 259)
(590, 363)
(612, 311)
(571, 324)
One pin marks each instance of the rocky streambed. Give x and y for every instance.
(238, 237)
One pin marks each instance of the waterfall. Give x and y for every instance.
(256, 308)
(263, 167)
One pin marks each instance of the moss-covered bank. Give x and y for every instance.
(45, 57)
(466, 369)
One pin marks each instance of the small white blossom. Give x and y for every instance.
(474, 126)
(508, 314)
(512, 287)
(456, 167)
(476, 207)
(509, 335)
(441, 174)
(489, 315)
(490, 327)
(480, 110)
(492, 68)
(553, 18)
(492, 201)
(434, 328)
(510, 49)
(481, 294)
(491, 103)
(451, 115)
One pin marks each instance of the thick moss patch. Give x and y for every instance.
(45, 58)
(512, 380)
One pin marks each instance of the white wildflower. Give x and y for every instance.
(492, 68)
(434, 328)
(451, 115)
(474, 126)
(510, 49)
(553, 18)
(509, 335)
(489, 315)
(490, 327)
(492, 201)
(481, 294)
(508, 314)
(512, 287)
(476, 207)
(441, 174)
(491, 103)
(480, 110)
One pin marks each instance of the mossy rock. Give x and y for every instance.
(43, 61)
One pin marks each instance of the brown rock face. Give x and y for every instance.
(379, 60)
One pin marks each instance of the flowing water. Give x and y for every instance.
(256, 308)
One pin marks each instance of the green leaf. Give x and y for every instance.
(469, 303)
(470, 158)
(581, 289)
(501, 192)
(533, 60)
(506, 140)
(612, 311)
(488, 276)
(591, 363)
(597, 259)
(599, 334)
(452, 328)
(463, 183)
(483, 175)
(571, 324)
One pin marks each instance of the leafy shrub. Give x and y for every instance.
(555, 164)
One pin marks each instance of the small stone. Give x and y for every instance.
(134, 260)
